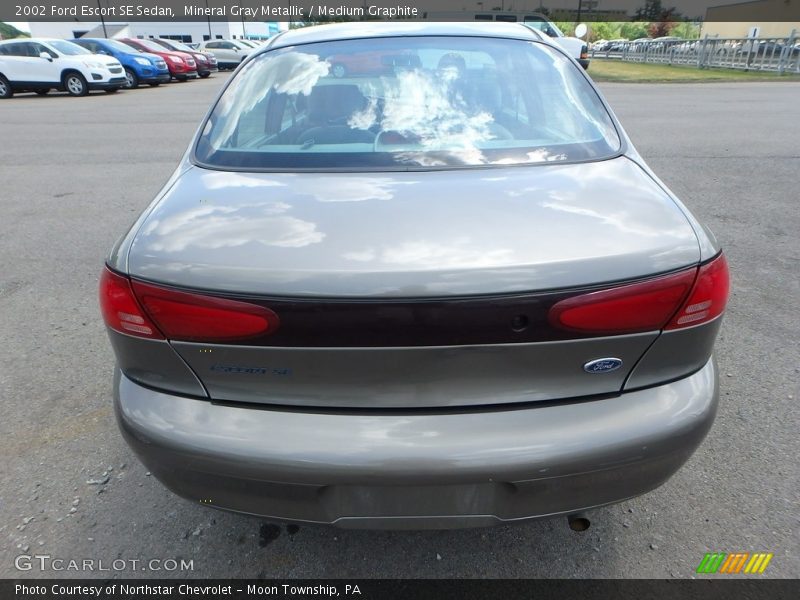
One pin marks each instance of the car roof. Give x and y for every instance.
(369, 29)
(38, 39)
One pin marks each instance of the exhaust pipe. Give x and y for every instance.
(578, 522)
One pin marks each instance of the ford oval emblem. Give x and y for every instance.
(602, 365)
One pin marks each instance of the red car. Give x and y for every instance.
(182, 66)
(206, 62)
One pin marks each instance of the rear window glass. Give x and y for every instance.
(407, 102)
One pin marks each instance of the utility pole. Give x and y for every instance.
(102, 20)
(208, 18)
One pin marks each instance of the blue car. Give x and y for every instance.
(140, 67)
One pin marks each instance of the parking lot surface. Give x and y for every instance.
(75, 172)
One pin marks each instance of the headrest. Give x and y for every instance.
(335, 104)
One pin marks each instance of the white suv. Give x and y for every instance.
(39, 65)
(229, 53)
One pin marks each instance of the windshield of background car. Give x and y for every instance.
(152, 46)
(181, 47)
(120, 47)
(68, 48)
(407, 102)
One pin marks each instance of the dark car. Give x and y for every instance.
(206, 62)
(447, 295)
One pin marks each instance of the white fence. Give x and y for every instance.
(778, 55)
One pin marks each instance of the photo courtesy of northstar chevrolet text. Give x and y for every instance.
(414, 292)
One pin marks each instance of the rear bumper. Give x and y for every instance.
(418, 470)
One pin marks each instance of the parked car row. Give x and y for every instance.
(81, 65)
(609, 45)
(139, 67)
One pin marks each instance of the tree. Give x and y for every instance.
(651, 11)
(9, 32)
(660, 28)
(634, 30)
(604, 31)
(687, 30)
(566, 27)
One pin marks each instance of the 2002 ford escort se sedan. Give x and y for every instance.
(446, 294)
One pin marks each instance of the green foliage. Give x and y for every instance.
(8, 32)
(604, 31)
(568, 27)
(634, 30)
(687, 30)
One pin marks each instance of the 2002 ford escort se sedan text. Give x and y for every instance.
(447, 293)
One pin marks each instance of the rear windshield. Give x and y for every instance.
(407, 102)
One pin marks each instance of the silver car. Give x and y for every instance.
(445, 292)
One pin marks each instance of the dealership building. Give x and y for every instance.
(184, 31)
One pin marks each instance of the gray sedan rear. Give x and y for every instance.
(441, 291)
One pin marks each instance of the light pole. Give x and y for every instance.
(102, 20)
(208, 18)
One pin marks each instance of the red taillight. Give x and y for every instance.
(193, 317)
(708, 298)
(644, 306)
(684, 299)
(121, 311)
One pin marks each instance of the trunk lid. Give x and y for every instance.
(412, 234)
(406, 290)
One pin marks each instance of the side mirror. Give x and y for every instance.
(235, 49)
(580, 30)
(46, 56)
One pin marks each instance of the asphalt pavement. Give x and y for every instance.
(75, 172)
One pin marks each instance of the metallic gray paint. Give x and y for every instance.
(154, 363)
(412, 234)
(675, 354)
(408, 377)
(416, 470)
